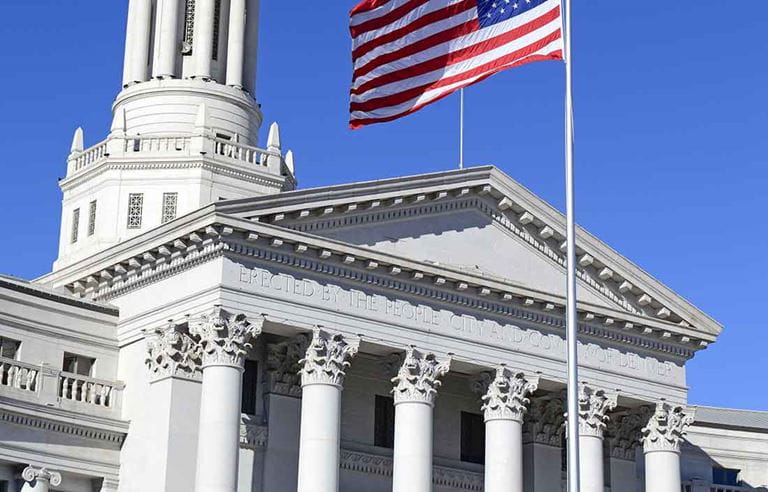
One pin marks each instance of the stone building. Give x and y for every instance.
(208, 327)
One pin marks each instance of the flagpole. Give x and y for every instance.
(571, 319)
(461, 128)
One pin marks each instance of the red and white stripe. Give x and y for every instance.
(409, 53)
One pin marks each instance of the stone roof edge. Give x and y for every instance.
(725, 413)
(166, 241)
(511, 194)
(26, 287)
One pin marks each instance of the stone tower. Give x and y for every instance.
(184, 131)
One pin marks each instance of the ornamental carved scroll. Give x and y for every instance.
(418, 378)
(625, 434)
(594, 405)
(327, 358)
(34, 474)
(505, 394)
(172, 352)
(225, 338)
(666, 428)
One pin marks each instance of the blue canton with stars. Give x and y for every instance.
(492, 12)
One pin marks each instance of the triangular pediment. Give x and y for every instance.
(477, 220)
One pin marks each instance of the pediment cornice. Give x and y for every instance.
(507, 203)
(205, 235)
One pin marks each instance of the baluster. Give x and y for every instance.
(2, 373)
(12, 377)
(65, 387)
(31, 377)
(106, 392)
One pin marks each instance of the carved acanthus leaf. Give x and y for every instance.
(224, 337)
(666, 427)
(505, 394)
(326, 359)
(283, 367)
(594, 405)
(417, 380)
(545, 421)
(171, 352)
(625, 433)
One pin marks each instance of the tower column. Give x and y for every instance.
(594, 405)
(166, 39)
(136, 65)
(251, 46)
(236, 43)
(322, 376)
(415, 390)
(504, 404)
(202, 42)
(224, 339)
(661, 443)
(39, 479)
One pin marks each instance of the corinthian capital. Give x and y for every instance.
(326, 359)
(34, 474)
(545, 422)
(666, 427)
(625, 433)
(171, 352)
(225, 337)
(505, 394)
(417, 379)
(283, 365)
(594, 405)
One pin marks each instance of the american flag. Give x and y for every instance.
(409, 53)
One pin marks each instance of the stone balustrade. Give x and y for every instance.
(166, 146)
(700, 486)
(18, 375)
(83, 389)
(54, 388)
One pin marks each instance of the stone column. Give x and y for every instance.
(543, 436)
(173, 359)
(624, 438)
(661, 443)
(322, 377)
(594, 404)
(251, 46)
(167, 39)
(415, 390)
(236, 43)
(39, 479)
(283, 406)
(224, 339)
(504, 404)
(202, 43)
(137, 39)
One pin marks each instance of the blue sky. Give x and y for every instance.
(671, 124)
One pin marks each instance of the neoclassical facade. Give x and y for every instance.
(208, 327)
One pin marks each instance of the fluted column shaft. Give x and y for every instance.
(202, 43)
(415, 389)
(166, 39)
(224, 340)
(322, 377)
(504, 404)
(137, 39)
(594, 404)
(661, 445)
(236, 43)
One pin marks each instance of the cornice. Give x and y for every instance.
(512, 205)
(114, 274)
(153, 163)
(49, 425)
